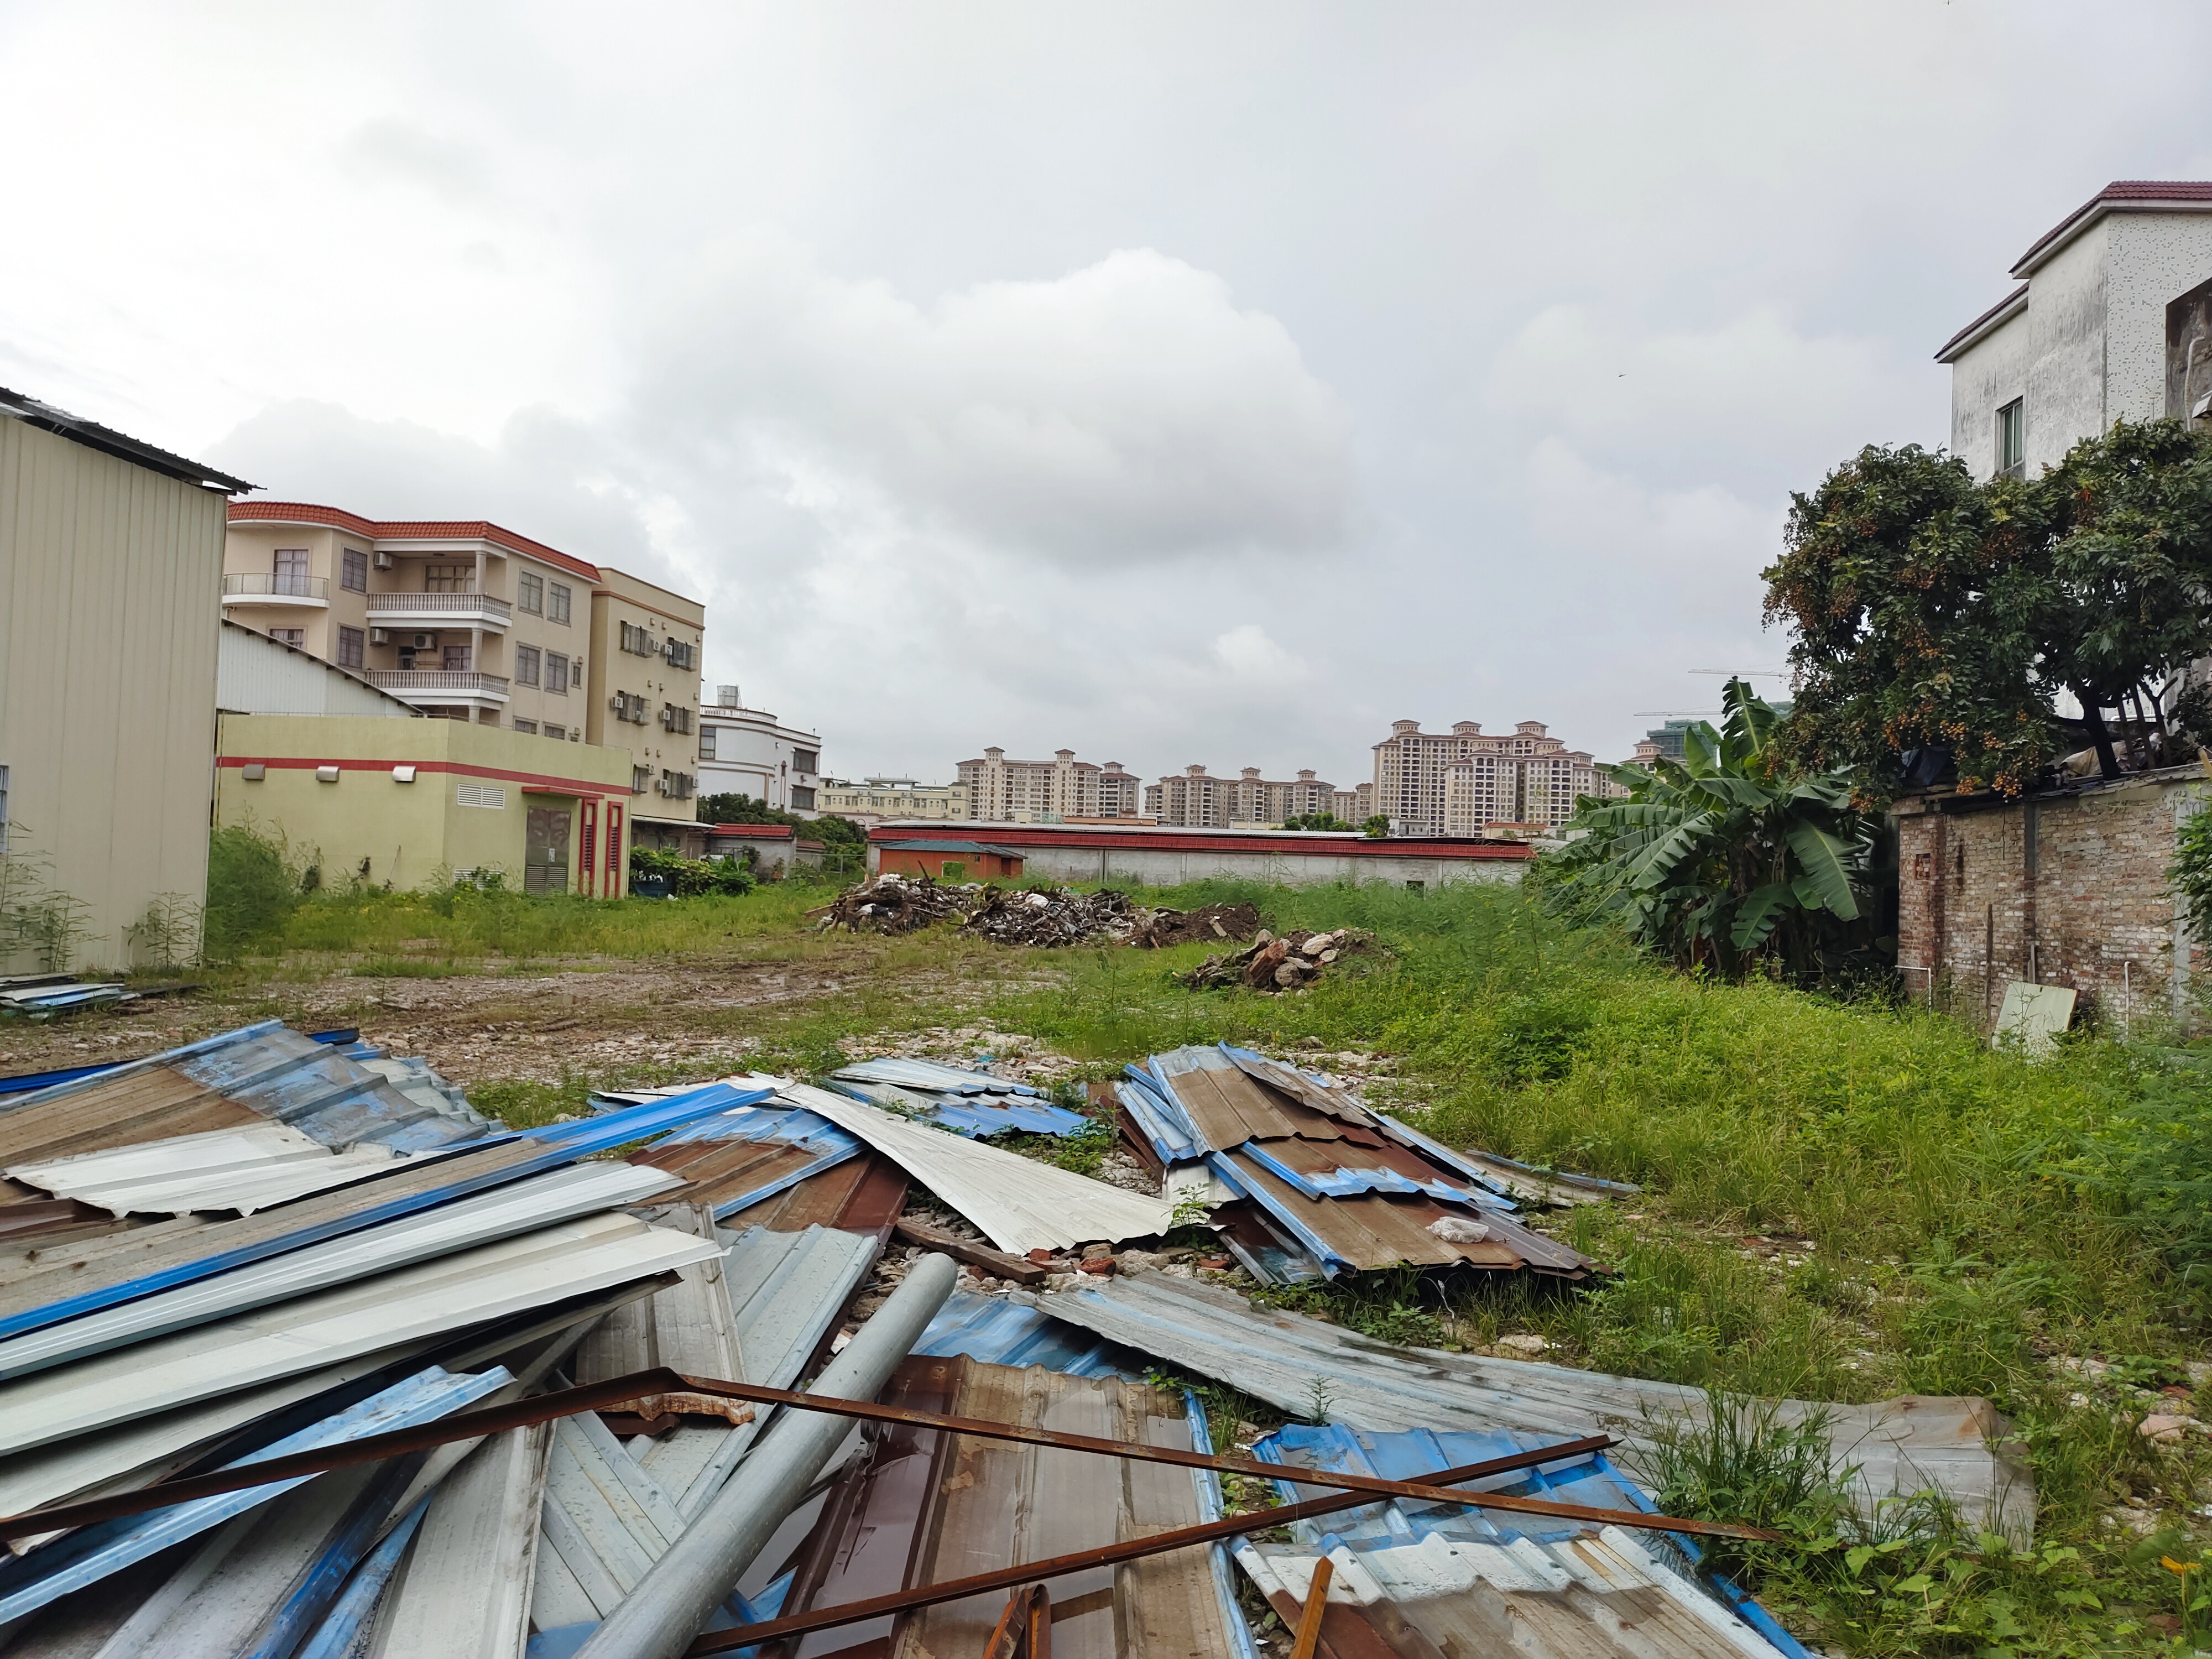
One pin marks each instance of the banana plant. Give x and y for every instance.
(1725, 859)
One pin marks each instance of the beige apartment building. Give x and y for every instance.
(1459, 783)
(467, 620)
(1002, 790)
(111, 551)
(1196, 800)
(872, 800)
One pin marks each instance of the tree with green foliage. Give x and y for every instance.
(1315, 821)
(1377, 828)
(1726, 860)
(1931, 611)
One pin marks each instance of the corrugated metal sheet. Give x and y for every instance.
(464, 1587)
(968, 1115)
(245, 1169)
(1017, 1204)
(867, 1194)
(734, 1159)
(1003, 1332)
(73, 1281)
(930, 1075)
(348, 1617)
(487, 1282)
(1903, 1445)
(542, 1200)
(94, 1553)
(923, 1507)
(257, 675)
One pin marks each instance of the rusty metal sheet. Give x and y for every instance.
(1373, 1230)
(924, 1507)
(1227, 1108)
(140, 1106)
(865, 1194)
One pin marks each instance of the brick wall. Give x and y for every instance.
(2067, 888)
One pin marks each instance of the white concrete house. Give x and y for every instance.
(2112, 318)
(748, 751)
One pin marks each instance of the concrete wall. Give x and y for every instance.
(110, 606)
(2059, 890)
(1167, 868)
(369, 825)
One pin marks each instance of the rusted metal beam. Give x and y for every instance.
(995, 1262)
(1132, 1549)
(621, 1390)
(1025, 1629)
(1316, 1604)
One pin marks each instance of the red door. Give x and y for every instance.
(589, 839)
(614, 873)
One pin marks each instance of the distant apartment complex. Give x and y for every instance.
(1002, 790)
(748, 751)
(874, 799)
(1195, 799)
(1457, 783)
(470, 620)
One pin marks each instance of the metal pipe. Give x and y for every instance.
(671, 1603)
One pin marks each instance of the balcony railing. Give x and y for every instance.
(437, 684)
(418, 607)
(276, 590)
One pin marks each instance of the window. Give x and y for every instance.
(295, 636)
(289, 572)
(449, 578)
(2012, 440)
(673, 718)
(525, 664)
(641, 779)
(707, 741)
(350, 640)
(680, 654)
(557, 733)
(802, 799)
(353, 570)
(806, 760)
(557, 674)
(556, 603)
(455, 658)
(530, 727)
(530, 593)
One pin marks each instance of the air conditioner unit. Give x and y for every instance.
(615, 702)
(383, 560)
(424, 641)
(379, 636)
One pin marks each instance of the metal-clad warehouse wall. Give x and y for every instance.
(110, 589)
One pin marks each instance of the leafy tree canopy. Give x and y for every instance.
(1726, 860)
(1316, 821)
(1933, 611)
(829, 827)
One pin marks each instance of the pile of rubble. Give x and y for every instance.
(893, 904)
(1288, 963)
(1209, 924)
(1053, 916)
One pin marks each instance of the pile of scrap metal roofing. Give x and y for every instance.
(967, 1102)
(1314, 1183)
(41, 996)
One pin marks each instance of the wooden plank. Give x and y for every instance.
(995, 1262)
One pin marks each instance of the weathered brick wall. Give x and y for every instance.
(2062, 888)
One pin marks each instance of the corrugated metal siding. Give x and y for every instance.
(256, 675)
(110, 607)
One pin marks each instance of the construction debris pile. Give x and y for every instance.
(302, 1357)
(1289, 963)
(1209, 924)
(1053, 915)
(893, 904)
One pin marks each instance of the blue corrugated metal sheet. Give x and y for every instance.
(930, 1075)
(289, 1077)
(1003, 1332)
(971, 1104)
(92, 1554)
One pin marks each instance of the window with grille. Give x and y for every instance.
(353, 570)
(530, 593)
(529, 726)
(556, 673)
(558, 733)
(556, 603)
(351, 641)
(525, 664)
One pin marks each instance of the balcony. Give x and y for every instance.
(437, 687)
(440, 609)
(264, 589)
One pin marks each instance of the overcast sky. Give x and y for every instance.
(1174, 383)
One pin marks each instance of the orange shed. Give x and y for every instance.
(948, 860)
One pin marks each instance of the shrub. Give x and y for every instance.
(692, 878)
(253, 887)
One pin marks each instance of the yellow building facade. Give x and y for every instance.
(409, 803)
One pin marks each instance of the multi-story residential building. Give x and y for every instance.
(1121, 792)
(111, 559)
(748, 751)
(1455, 783)
(1196, 800)
(1002, 790)
(2112, 319)
(468, 620)
(875, 799)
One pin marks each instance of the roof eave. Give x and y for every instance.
(2055, 240)
(1983, 325)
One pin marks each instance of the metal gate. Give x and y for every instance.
(545, 851)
